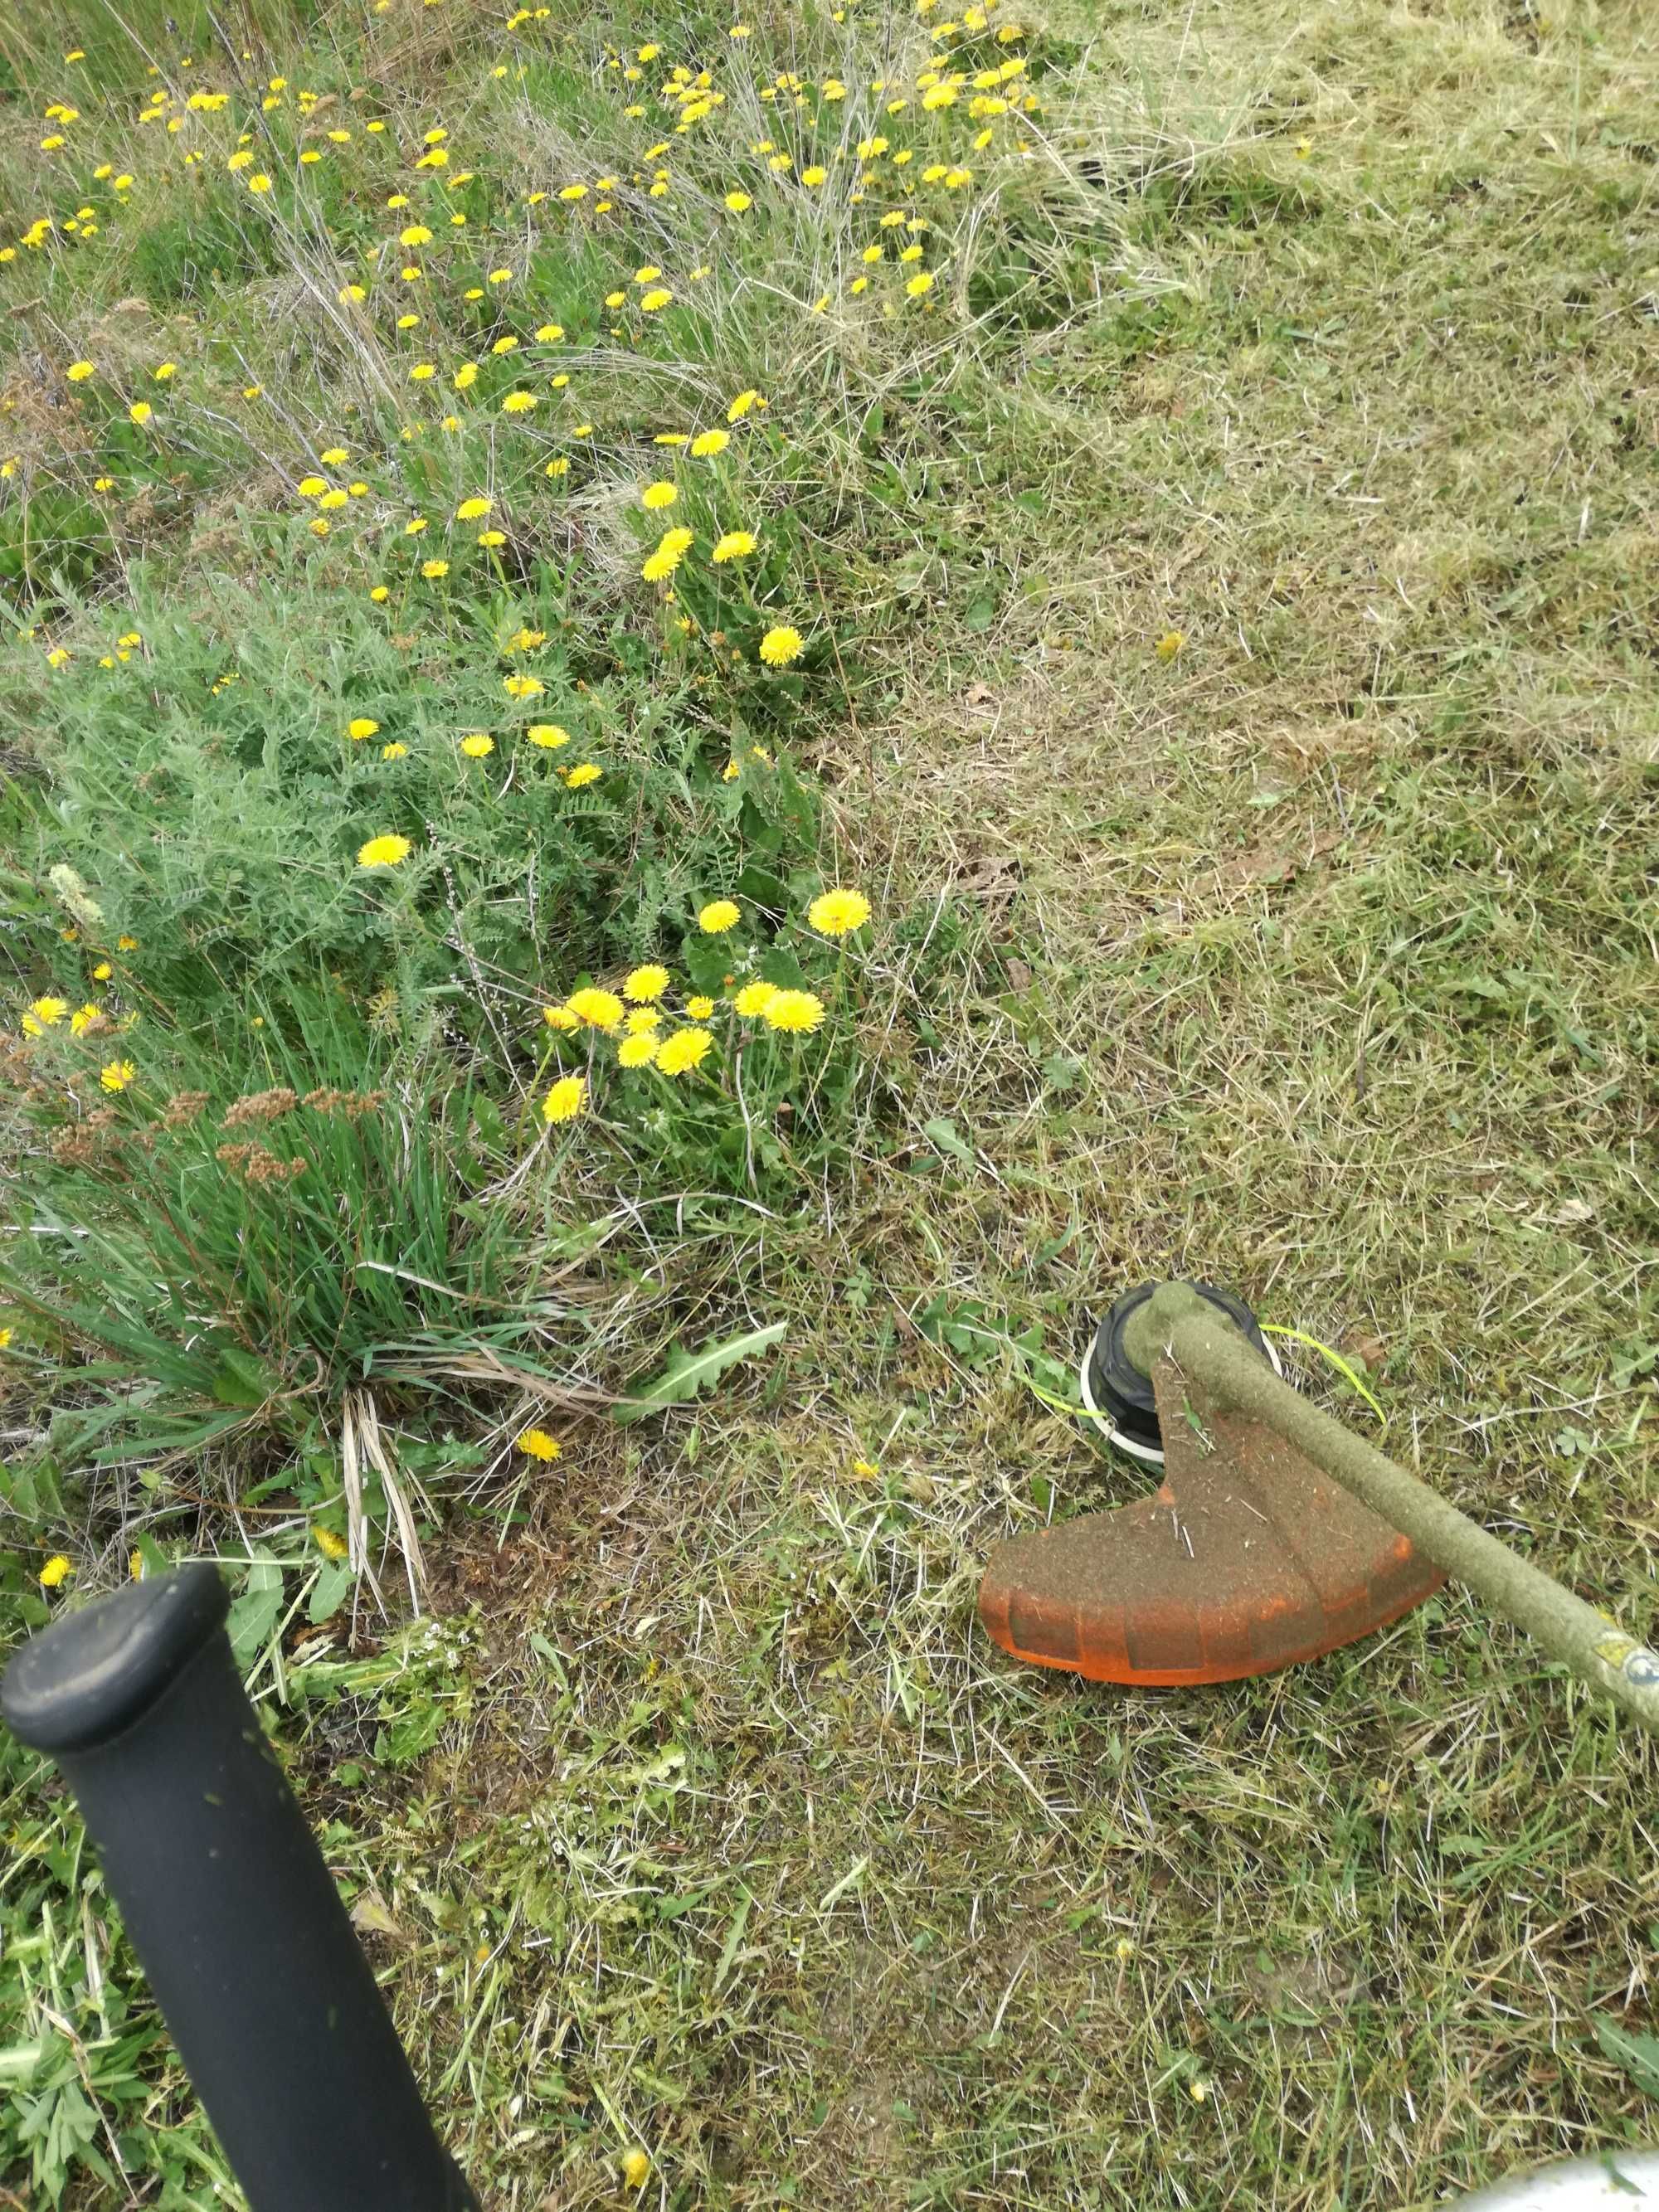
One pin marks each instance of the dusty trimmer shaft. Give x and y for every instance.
(1276, 1535)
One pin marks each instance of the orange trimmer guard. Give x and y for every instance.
(1247, 1559)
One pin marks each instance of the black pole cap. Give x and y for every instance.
(87, 1679)
(1121, 1390)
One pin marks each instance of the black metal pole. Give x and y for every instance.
(230, 1907)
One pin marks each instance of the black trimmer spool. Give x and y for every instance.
(1113, 1388)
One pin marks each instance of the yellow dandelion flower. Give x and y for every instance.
(522, 687)
(636, 2166)
(637, 1051)
(743, 404)
(383, 851)
(477, 746)
(82, 1019)
(685, 1050)
(140, 410)
(1169, 644)
(780, 645)
(362, 725)
(733, 545)
(45, 1014)
(754, 998)
(739, 203)
(835, 913)
(560, 1018)
(331, 1546)
(472, 510)
(584, 772)
(920, 282)
(79, 371)
(566, 1100)
(432, 570)
(536, 1443)
(699, 1009)
(116, 1075)
(58, 1570)
(671, 549)
(795, 1011)
(519, 402)
(644, 984)
(718, 916)
(709, 442)
(394, 751)
(660, 494)
(599, 1010)
(549, 735)
(550, 334)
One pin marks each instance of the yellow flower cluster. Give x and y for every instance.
(632, 1015)
(896, 179)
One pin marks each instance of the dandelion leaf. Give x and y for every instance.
(687, 1373)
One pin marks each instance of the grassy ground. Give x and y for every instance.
(1310, 952)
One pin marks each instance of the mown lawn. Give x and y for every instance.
(1227, 601)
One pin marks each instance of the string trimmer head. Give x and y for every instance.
(1246, 1558)
(1274, 1536)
